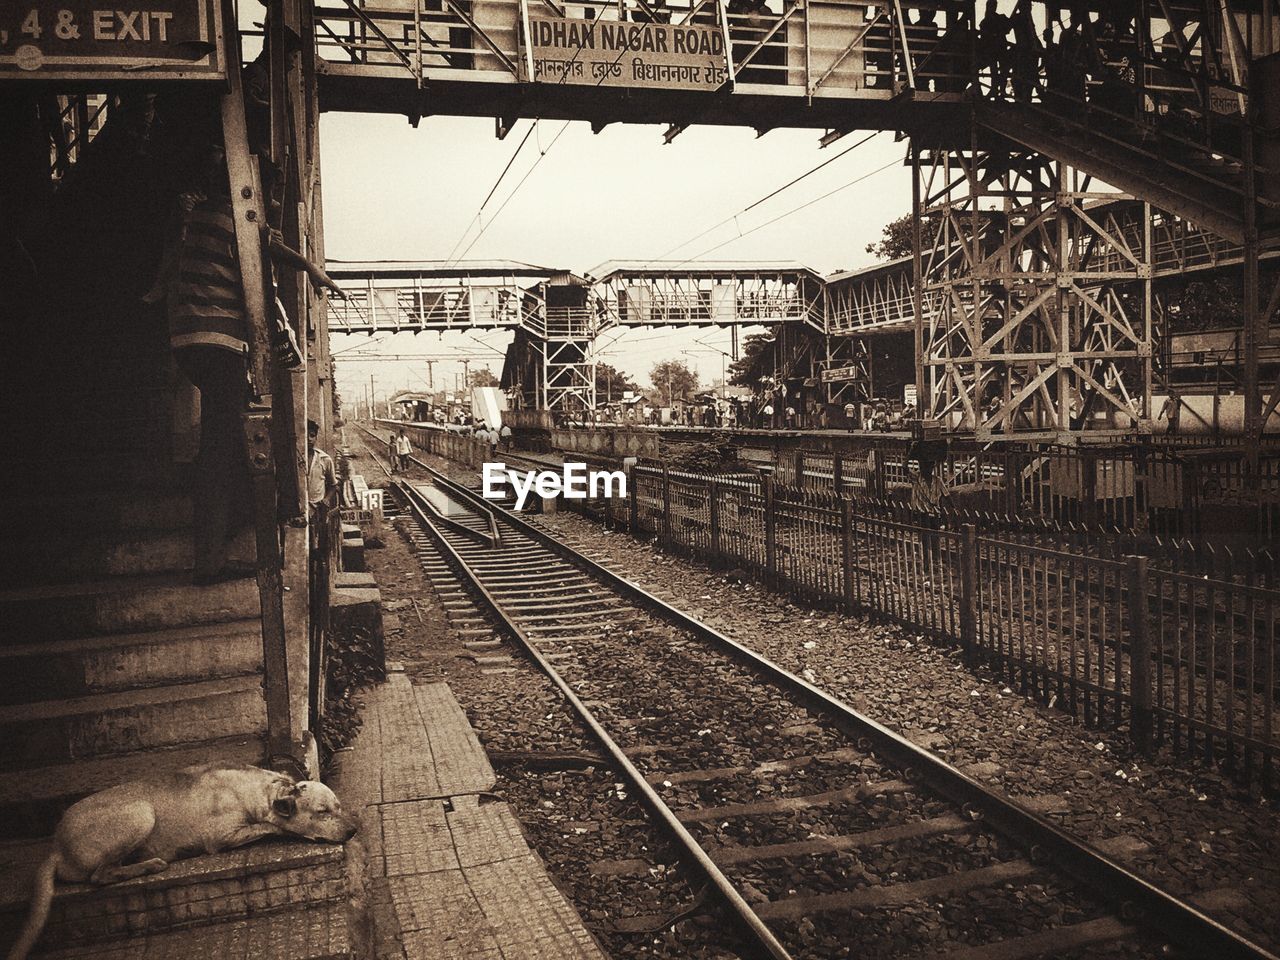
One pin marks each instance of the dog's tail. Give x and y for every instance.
(41, 900)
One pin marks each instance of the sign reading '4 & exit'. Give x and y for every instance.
(111, 40)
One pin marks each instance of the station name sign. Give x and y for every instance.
(111, 40)
(839, 374)
(618, 54)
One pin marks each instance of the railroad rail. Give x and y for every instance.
(635, 670)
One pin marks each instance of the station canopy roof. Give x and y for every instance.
(886, 266)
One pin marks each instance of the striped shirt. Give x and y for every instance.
(206, 302)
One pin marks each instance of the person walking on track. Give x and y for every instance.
(403, 449)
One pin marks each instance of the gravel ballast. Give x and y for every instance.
(1202, 832)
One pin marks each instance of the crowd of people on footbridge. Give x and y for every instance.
(1056, 56)
(760, 412)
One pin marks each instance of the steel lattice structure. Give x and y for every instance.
(699, 293)
(393, 297)
(1043, 325)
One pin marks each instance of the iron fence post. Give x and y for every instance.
(633, 507)
(1012, 482)
(713, 513)
(969, 592)
(846, 552)
(666, 507)
(1140, 712)
(837, 473)
(770, 523)
(1089, 488)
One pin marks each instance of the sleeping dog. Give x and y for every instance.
(139, 827)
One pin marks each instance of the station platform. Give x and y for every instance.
(448, 872)
(439, 869)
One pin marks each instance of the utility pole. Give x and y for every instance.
(431, 385)
(466, 373)
(372, 398)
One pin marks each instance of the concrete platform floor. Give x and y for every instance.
(448, 871)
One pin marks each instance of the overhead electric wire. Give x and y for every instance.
(492, 190)
(541, 153)
(771, 195)
(497, 213)
(357, 346)
(781, 216)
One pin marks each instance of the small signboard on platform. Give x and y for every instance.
(85, 40)
(839, 374)
(608, 53)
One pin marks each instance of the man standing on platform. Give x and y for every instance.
(322, 478)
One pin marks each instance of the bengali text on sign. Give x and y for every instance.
(617, 54)
(91, 39)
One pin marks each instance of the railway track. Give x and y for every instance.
(822, 832)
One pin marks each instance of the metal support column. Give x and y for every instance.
(1042, 328)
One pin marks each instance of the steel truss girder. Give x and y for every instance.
(1042, 318)
(696, 298)
(567, 380)
(880, 298)
(417, 305)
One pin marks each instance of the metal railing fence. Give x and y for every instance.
(1181, 659)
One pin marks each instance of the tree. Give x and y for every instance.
(674, 379)
(1209, 304)
(896, 239)
(756, 361)
(611, 383)
(483, 377)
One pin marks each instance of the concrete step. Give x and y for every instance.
(80, 666)
(55, 557)
(104, 510)
(318, 932)
(200, 902)
(32, 800)
(121, 604)
(130, 720)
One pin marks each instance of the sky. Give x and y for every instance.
(393, 192)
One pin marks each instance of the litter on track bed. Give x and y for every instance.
(629, 669)
(574, 819)
(1202, 832)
